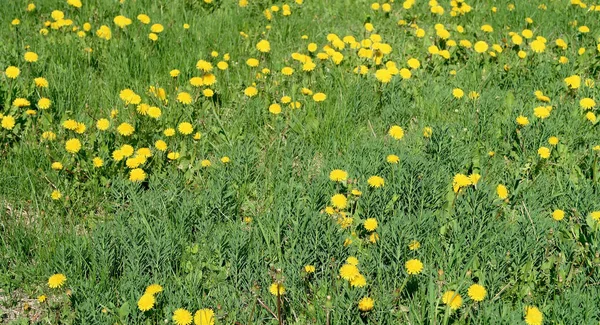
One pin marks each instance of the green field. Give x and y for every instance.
(308, 162)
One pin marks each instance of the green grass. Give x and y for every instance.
(184, 226)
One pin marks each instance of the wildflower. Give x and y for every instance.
(263, 46)
(573, 81)
(414, 245)
(137, 175)
(44, 103)
(12, 72)
(339, 201)
(184, 98)
(359, 281)
(392, 159)
(56, 195)
(56, 280)
(157, 28)
(502, 191)
(558, 214)
(30, 57)
(376, 181)
(458, 93)
(204, 317)
(41, 298)
(477, 292)
(349, 272)
(366, 304)
(125, 129)
(97, 162)
(522, 120)
(205, 163)
(146, 302)
(452, 299)
(185, 128)
(413, 266)
(8, 122)
(182, 317)
(275, 109)
(352, 260)
(370, 224)
(41, 82)
(309, 269)
(544, 152)
(587, 103)
(533, 316)
(383, 75)
(277, 289)
(319, 97)
(480, 47)
(251, 91)
(338, 175)
(72, 145)
(396, 132)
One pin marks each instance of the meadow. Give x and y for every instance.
(301, 162)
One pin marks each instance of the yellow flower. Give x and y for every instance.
(414, 245)
(396, 132)
(182, 317)
(477, 292)
(143, 18)
(44, 103)
(533, 316)
(376, 181)
(56, 280)
(502, 191)
(225, 160)
(573, 81)
(452, 299)
(56, 165)
(275, 109)
(185, 128)
(203, 65)
(146, 302)
(370, 224)
(359, 281)
(73, 145)
(8, 122)
(553, 141)
(413, 266)
(12, 72)
(522, 120)
(287, 71)
(544, 152)
(205, 163)
(392, 159)
(558, 214)
(339, 201)
(319, 97)
(542, 111)
(366, 304)
(595, 215)
(56, 195)
(481, 47)
(125, 129)
(174, 73)
(277, 289)
(458, 93)
(263, 46)
(204, 317)
(30, 57)
(251, 91)
(587, 103)
(184, 98)
(338, 175)
(309, 269)
(41, 299)
(173, 155)
(349, 272)
(157, 28)
(98, 162)
(383, 75)
(137, 175)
